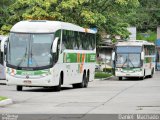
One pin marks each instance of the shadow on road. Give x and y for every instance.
(126, 79)
(45, 89)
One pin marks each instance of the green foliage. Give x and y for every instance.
(2, 98)
(102, 75)
(104, 15)
(108, 70)
(5, 3)
(148, 36)
(146, 16)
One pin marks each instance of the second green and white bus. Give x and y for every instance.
(134, 58)
(50, 53)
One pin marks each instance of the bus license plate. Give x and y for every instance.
(27, 82)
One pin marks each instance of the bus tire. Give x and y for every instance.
(19, 88)
(86, 79)
(142, 78)
(58, 87)
(120, 78)
(152, 72)
(83, 84)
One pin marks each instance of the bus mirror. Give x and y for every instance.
(142, 56)
(4, 45)
(5, 49)
(113, 56)
(54, 45)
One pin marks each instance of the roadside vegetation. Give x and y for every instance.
(111, 16)
(99, 75)
(2, 98)
(105, 73)
(149, 36)
(101, 14)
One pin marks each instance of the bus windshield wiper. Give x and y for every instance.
(131, 62)
(124, 62)
(23, 58)
(32, 58)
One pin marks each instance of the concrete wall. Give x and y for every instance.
(158, 32)
(133, 32)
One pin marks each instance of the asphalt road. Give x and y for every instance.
(101, 97)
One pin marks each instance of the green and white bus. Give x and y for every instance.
(50, 53)
(134, 58)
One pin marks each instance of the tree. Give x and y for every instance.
(146, 16)
(3, 10)
(106, 15)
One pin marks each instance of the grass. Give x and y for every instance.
(2, 98)
(102, 75)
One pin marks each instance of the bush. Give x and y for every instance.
(109, 70)
(148, 36)
(102, 75)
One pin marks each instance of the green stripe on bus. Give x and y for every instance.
(36, 72)
(129, 69)
(79, 57)
(91, 57)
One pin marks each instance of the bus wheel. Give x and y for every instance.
(142, 78)
(19, 88)
(120, 78)
(83, 84)
(150, 76)
(85, 79)
(58, 87)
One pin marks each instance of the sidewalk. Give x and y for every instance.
(6, 101)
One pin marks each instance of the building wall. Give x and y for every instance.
(133, 32)
(104, 56)
(158, 32)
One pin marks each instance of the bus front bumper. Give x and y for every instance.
(43, 81)
(128, 74)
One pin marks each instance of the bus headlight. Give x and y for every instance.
(11, 71)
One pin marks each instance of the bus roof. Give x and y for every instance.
(134, 43)
(45, 26)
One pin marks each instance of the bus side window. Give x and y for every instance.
(71, 39)
(76, 43)
(68, 41)
(79, 40)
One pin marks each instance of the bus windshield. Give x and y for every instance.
(128, 60)
(30, 50)
(128, 56)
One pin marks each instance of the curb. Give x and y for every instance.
(5, 102)
(108, 77)
(105, 78)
